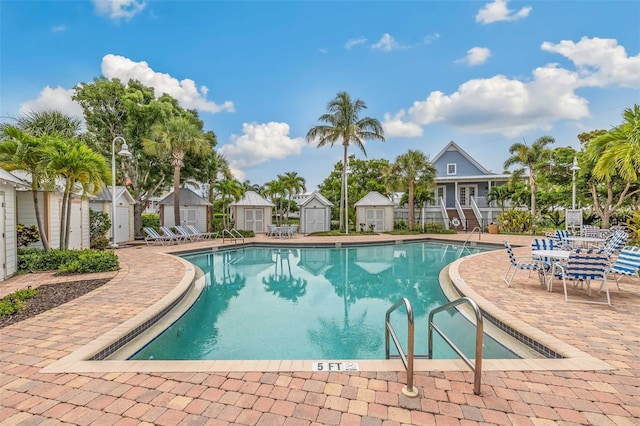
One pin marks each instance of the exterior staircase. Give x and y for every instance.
(472, 222)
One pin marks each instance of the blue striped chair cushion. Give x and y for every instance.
(585, 266)
(628, 262)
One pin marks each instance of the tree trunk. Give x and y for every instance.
(343, 186)
(63, 216)
(176, 195)
(411, 212)
(36, 208)
(138, 208)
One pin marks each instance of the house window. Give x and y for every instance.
(451, 169)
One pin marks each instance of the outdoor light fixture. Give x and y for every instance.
(124, 152)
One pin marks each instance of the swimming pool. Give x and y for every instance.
(315, 303)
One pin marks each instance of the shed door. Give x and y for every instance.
(314, 221)
(75, 228)
(122, 224)
(376, 217)
(189, 217)
(253, 220)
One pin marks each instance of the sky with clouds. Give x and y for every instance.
(483, 74)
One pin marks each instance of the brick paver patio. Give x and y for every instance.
(524, 397)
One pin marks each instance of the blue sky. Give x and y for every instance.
(260, 73)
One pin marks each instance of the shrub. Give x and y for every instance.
(91, 261)
(99, 224)
(27, 235)
(246, 233)
(515, 220)
(16, 301)
(37, 260)
(151, 220)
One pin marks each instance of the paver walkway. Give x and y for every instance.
(28, 396)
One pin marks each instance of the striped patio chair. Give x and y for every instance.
(201, 235)
(615, 242)
(155, 237)
(544, 244)
(561, 236)
(583, 267)
(626, 264)
(173, 236)
(518, 263)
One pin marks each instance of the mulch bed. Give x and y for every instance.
(51, 296)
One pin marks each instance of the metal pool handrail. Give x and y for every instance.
(407, 360)
(475, 367)
(234, 235)
(471, 235)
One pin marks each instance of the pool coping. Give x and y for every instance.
(80, 361)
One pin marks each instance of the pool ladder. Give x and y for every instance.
(407, 359)
(233, 235)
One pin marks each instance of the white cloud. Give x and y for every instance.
(354, 42)
(119, 9)
(431, 38)
(600, 62)
(395, 127)
(53, 99)
(386, 43)
(512, 106)
(185, 91)
(323, 50)
(498, 11)
(258, 144)
(476, 56)
(58, 28)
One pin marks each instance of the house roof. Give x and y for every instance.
(452, 146)
(253, 199)
(121, 191)
(187, 198)
(318, 196)
(374, 198)
(8, 178)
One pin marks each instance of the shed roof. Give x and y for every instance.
(253, 199)
(374, 198)
(187, 198)
(121, 191)
(8, 178)
(318, 196)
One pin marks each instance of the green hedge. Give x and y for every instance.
(16, 301)
(66, 261)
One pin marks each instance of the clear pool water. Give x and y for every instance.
(315, 303)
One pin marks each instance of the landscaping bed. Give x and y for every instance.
(51, 296)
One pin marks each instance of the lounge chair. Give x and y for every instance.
(201, 235)
(583, 267)
(169, 233)
(184, 233)
(515, 264)
(155, 237)
(627, 264)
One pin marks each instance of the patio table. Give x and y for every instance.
(584, 241)
(556, 256)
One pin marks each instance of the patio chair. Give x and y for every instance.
(615, 242)
(184, 233)
(545, 244)
(154, 236)
(582, 267)
(294, 229)
(627, 264)
(514, 263)
(273, 230)
(561, 236)
(175, 237)
(201, 235)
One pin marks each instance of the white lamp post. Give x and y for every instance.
(124, 152)
(574, 168)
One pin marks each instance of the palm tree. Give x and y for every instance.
(177, 136)
(294, 185)
(413, 168)
(344, 123)
(77, 164)
(620, 149)
(500, 194)
(276, 190)
(20, 151)
(229, 190)
(533, 157)
(47, 123)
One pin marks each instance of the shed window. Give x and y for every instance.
(451, 169)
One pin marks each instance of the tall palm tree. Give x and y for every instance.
(276, 190)
(500, 194)
(413, 168)
(532, 157)
(228, 190)
(177, 136)
(344, 124)
(78, 165)
(294, 185)
(21, 151)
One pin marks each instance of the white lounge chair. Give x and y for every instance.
(155, 237)
(201, 235)
(169, 233)
(185, 234)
